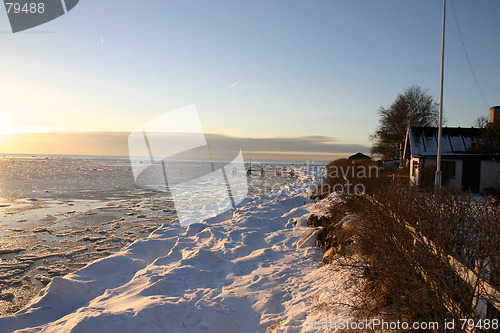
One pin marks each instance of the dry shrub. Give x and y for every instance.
(405, 278)
(326, 235)
(428, 176)
(348, 177)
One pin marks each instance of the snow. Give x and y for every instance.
(253, 269)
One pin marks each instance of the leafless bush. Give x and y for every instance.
(348, 177)
(408, 239)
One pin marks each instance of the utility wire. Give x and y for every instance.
(487, 105)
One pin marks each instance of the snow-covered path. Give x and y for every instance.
(239, 272)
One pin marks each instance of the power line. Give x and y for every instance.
(487, 105)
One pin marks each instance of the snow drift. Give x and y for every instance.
(253, 269)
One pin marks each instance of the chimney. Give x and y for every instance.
(495, 114)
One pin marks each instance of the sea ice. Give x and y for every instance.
(238, 272)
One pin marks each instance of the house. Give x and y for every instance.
(359, 156)
(462, 167)
(391, 164)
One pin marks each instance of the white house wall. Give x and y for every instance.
(452, 182)
(414, 174)
(490, 175)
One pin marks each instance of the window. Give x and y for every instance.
(448, 168)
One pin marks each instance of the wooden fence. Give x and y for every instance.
(485, 295)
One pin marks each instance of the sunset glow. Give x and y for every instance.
(308, 71)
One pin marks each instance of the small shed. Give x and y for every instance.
(359, 156)
(462, 167)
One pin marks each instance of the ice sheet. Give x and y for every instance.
(238, 272)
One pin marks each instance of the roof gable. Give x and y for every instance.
(423, 141)
(359, 156)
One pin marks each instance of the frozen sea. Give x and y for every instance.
(60, 213)
(254, 268)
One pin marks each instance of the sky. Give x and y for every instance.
(283, 78)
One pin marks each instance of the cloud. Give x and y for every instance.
(318, 148)
(301, 144)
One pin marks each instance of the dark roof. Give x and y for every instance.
(359, 156)
(423, 141)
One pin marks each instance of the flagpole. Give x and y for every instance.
(438, 178)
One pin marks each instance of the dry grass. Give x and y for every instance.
(406, 278)
(348, 177)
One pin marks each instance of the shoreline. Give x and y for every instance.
(45, 235)
(252, 262)
(48, 238)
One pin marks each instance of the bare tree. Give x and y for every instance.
(489, 138)
(413, 107)
(481, 122)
